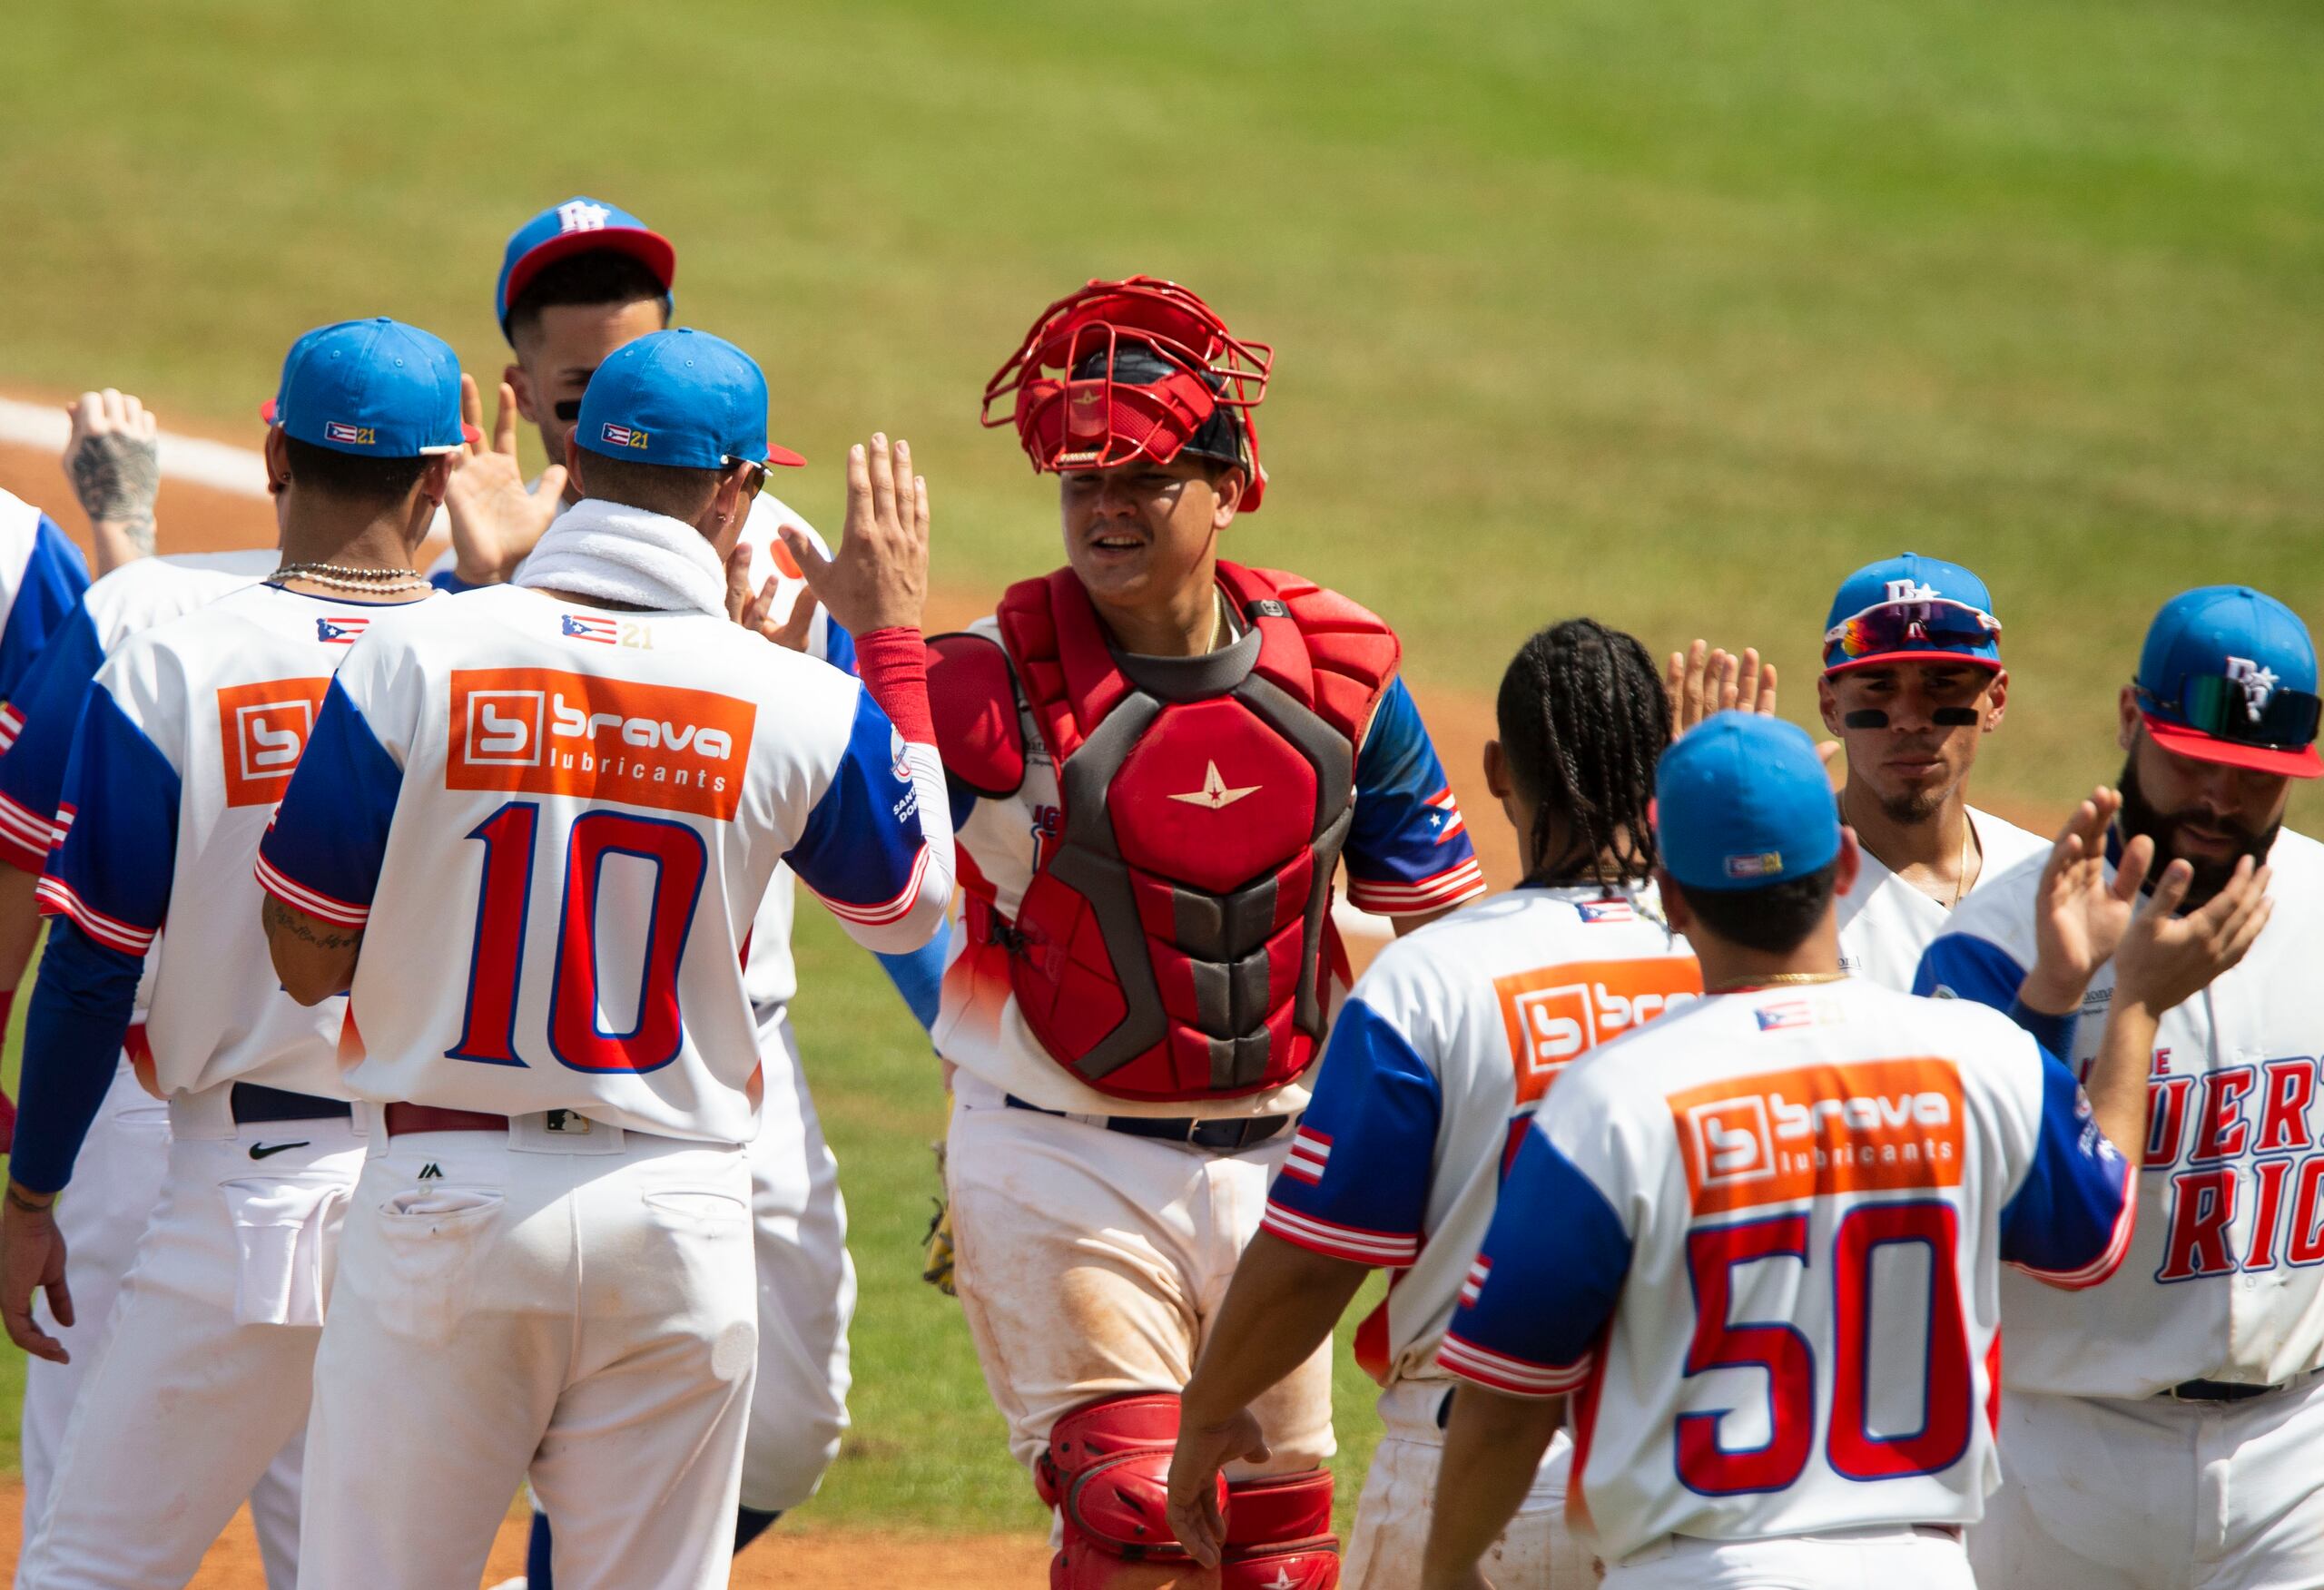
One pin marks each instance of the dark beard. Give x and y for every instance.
(2138, 817)
(1913, 809)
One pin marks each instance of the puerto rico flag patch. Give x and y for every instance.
(341, 630)
(1605, 910)
(354, 436)
(604, 631)
(623, 436)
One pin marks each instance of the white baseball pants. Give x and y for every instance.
(1854, 1559)
(1390, 1537)
(806, 1289)
(1092, 1263)
(577, 1307)
(2149, 1493)
(201, 1384)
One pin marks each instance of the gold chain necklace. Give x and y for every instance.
(347, 577)
(1774, 980)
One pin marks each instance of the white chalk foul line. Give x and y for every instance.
(192, 460)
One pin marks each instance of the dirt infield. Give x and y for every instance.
(782, 1561)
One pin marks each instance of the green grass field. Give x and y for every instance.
(1666, 312)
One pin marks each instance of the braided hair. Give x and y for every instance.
(1583, 718)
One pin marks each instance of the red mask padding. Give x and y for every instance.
(1193, 367)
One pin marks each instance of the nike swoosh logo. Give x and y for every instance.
(265, 1150)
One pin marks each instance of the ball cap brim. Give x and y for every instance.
(2300, 762)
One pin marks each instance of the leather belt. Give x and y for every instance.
(403, 1119)
(252, 1102)
(1231, 1134)
(2232, 1390)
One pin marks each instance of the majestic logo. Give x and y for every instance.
(1214, 792)
(580, 215)
(354, 436)
(2258, 683)
(622, 435)
(1873, 1126)
(1553, 1014)
(605, 631)
(552, 732)
(262, 729)
(1909, 590)
(341, 630)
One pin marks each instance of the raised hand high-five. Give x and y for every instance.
(757, 613)
(2079, 914)
(1703, 679)
(879, 577)
(496, 522)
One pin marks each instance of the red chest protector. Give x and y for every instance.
(1173, 945)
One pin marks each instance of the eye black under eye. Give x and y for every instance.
(568, 410)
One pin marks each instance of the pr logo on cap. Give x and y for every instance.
(623, 436)
(2259, 683)
(354, 436)
(581, 215)
(1758, 864)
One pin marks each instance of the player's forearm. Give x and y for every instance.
(2117, 1084)
(1492, 1445)
(1280, 1307)
(80, 1013)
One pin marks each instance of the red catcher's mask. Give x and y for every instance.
(1131, 369)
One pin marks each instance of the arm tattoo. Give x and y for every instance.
(280, 918)
(116, 477)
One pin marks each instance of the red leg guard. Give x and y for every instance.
(1108, 1473)
(1279, 1534)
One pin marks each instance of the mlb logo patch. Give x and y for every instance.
(623, 436)
(603, 631)
(1755, 864)
(341, 630)
(1605, 912)
(354, 436)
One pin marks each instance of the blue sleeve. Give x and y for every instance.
(1960, 965)
(2071, 1220)
(72, 1032)
(1546, 1283)
(38, 724)
(450, 584)
(111, 871)
(838, 646)
(54, 576)
(918, 976)
(1355, 1184)
(330, 835)
(1408, 851)
(862, 852)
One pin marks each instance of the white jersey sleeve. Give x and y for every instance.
(604, 796)
(1431, 1076)
(1830, 1178)
(1886, 923)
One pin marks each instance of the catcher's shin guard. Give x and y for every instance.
(1108, 1473)
(1279, 1534)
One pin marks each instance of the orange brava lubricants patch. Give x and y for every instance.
(544, 732)
(1555, 1015)
(262, 733)
(1864, 1126)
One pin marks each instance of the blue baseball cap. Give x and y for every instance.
(579, 226)
(378, 388)
(2227, 674)
(1742, 801)
(1911, 609)
(681, 398)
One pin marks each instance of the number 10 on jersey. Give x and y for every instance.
(577, 1035)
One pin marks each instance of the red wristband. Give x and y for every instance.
(893, 663)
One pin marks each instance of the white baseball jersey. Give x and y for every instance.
(37, 720)
(2223, 1279)
(1407, 852)
(41, 575)
(188, 740)
(1762, 1239)
(1886, 922)
(564, 818)
(1431, 1077)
